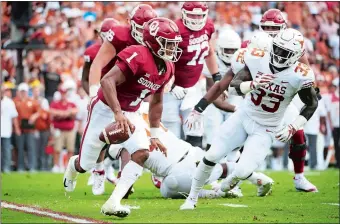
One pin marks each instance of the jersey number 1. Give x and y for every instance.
(140, 98)
(198, 48)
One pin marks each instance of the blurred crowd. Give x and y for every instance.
(52, 76)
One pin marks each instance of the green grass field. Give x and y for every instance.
(45, 190)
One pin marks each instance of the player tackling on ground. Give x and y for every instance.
(269, 80)
(139, 72)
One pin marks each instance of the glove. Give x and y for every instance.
(178, 92)
(261, 81)
(286, 133)
(194, 120)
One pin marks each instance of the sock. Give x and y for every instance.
(202, 173)
(99, 166)
(230, 167)
(131, 172)
(107, 162)
(297, 154)
(298, 175)
(210, 193)
(254, 178)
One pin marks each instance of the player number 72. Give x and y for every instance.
(204, 46)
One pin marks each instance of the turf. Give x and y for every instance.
(284, 205)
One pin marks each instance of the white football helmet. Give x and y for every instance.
(261, 40)
(228, 43)
(287, 48)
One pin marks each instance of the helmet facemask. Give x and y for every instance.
(225, 54)
(281, 57)
(169, 49)
(272, 29)
(194, 23)
(137, 32)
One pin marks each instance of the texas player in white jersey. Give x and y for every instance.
(269, 80)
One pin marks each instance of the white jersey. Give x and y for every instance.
(267, 105)
(237, 61)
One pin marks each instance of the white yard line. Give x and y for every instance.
(337, 204)
(47, 213)
(235, 205)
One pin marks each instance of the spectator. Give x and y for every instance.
(63, 118)
(329, 27)
(9, 118)
(28, 113)
(43, 128)
(316, 124)
(51, 79)
(334, 43)
(334, 112)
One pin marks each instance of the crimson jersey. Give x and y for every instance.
(120, 37)
(91, 53)
(195, 46)
(142, 77)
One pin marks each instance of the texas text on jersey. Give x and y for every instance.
(195, 46)
(275, 97)
(142, 77)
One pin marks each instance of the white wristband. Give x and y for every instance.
(93, 90)
(299, 122)
(155, 132)
(245, 87)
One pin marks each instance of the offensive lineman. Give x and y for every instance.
(269, 81)
(196, 30)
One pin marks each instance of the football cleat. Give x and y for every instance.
(264, 185)
(90, 180)
(302, 184)
(98, 187)
(117, 210)
(70, 175)
(234, 193)
(229, 183)
(188, 205)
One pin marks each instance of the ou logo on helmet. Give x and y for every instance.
(154, 27)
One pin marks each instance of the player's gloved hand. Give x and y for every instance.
(123, 122)
(261, 81)
(155, 143)
(286, 133)
(178, 92)
(194, 120)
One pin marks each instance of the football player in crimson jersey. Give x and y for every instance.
(91, 52)
(270, 80)
(196, 30)
(140, 71)
(118, 38)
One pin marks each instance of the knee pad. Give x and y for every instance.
(171, 182)
(114, 151)
(297, 152)
(195, 141)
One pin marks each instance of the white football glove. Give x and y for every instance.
(261, 81)
(286, 133)
(178, 92)
(194, 120)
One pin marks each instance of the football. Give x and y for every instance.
(112, 134)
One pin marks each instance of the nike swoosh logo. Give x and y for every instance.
(269, 131)
(65, 183)
(284, 82)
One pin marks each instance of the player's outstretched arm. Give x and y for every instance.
(105, 54)
(85, 77)
(241, 83)
(155, 114)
